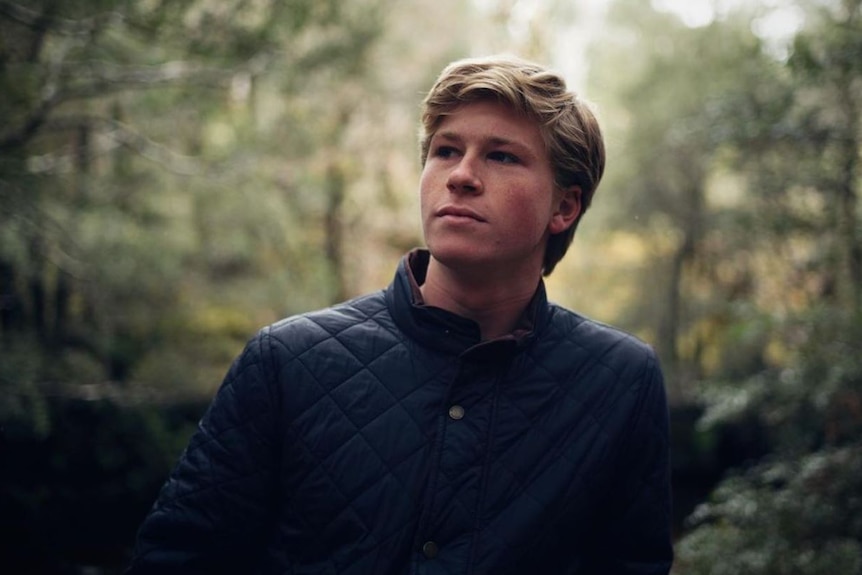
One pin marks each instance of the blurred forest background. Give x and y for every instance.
(175, 174)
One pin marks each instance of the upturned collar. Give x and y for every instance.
(448, 332)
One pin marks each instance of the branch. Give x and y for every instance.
(35, 220)
(49, 98)
(34, 121)
(160, 154)
(63, 26)
(116, 134)
(97, 79)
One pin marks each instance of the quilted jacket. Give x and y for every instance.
(382, 436)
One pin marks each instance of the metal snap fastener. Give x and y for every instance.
(456, 412)
(430, 549)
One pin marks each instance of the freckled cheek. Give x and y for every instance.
(526, 212)
(428, 178)
(426, 192)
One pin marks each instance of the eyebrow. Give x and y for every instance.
(493, 140)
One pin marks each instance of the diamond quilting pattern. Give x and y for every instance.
(333, 426)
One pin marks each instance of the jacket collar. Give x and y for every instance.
(448, 332)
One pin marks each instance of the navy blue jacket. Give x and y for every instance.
(382, 436)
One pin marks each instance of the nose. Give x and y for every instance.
(464, 179)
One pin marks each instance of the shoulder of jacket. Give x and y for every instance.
(601, 340)
(307, 329)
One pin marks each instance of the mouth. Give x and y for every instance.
(458, 212)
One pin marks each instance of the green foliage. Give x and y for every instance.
(160, 200)
(783, 516)
(813, 397)
(153, 163)
(743, 170)
(175, 174)
(785, 344)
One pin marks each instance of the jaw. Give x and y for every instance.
(476, 261)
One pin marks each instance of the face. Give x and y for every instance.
(487, 191)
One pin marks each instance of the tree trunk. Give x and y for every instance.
(678, 370)
(334, 226)
(850, 280)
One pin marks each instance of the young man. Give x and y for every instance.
(455, 422)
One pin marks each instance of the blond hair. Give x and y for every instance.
(567, 123)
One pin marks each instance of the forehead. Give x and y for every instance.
(492, 119)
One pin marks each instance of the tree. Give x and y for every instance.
(103, 92)
(740, 166)
(673, 121)
(797, 152)
(158, 203)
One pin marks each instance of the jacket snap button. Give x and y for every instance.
(430, 549)
(456, 412)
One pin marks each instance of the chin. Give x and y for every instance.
(452, 258)
(458, 256)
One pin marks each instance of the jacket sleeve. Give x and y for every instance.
(636, 534)
(214, 508)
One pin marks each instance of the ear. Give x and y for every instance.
(567, 208)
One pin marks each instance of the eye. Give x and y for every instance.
(503, 157)
(444, 151)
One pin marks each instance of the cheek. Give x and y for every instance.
(429, 181)
(530, 213)
(423, 186)
(425, 192)
(528, 207)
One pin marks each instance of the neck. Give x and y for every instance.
(495, 302)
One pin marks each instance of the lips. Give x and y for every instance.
(459, 212)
